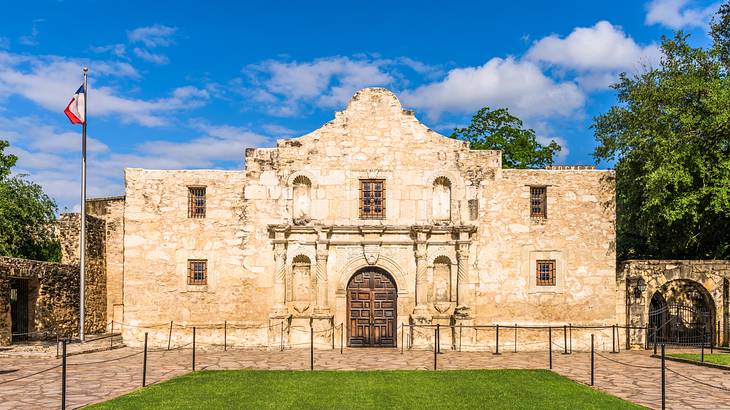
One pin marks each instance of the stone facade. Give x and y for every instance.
(283, 237)
(677, 281)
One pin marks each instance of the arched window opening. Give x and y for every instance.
(301, 196)
(441, 199)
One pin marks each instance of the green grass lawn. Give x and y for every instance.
(458, 389)
(717, 358)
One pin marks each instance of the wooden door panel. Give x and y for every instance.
(371, 305)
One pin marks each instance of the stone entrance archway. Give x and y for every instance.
(694, 283)
(372, 299)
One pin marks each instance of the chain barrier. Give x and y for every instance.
(697, 381)
(30, 375)
(627, 364)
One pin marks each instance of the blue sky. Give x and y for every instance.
(191, 84)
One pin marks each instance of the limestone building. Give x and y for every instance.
(372, 221)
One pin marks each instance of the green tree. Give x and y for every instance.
(27, 216)
(500, 130)
(670, 137)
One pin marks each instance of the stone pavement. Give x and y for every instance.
(95, 377)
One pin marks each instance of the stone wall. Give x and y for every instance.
(256, 225)
(111, 211)
(95, 278)
(55, 310)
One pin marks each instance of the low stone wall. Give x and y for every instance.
(55, 306)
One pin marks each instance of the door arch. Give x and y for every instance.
(372, 299)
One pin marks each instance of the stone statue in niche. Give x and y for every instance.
(302, 283)
(441, 206)
(442, 284)
(301, 198)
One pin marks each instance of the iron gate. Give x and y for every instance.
(680, 324)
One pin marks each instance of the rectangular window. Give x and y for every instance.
(545, 273)
(538, 202)
(197, 272)
(372, 198)
(196, 202)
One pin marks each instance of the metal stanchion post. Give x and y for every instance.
(438, 338)
(281, 337)
(497, 340)
(225, 335)
(550, 344)
(515, 337)
(570, 337)
(193, 348)
(646, 338)
(169, 336)
(460, 328)
(333, 335)
(111, 337)
(342, 336)
(565, 339)
(664, 381)
(435, 345)
(702, 355)
(593, 362)
(63, 374)
(712, 339)
(613, 339)
(655, 338)
(144, 362)
(402, 334)
(57, 342)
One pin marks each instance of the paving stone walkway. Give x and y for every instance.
(95, 377)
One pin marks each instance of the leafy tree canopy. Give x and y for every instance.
(27, 216)
(670, 137)
(500, 130)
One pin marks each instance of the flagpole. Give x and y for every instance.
(82, 239)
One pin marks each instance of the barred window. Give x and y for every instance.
(196, 202)
(538, 202)
(545, 273)
(372, 198)
(197, 272)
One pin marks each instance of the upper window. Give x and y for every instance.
(196, 202)
(545, 273)
(441, 207)
(372, 198)
(538, 202)
(197, 272)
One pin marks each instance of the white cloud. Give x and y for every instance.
(4, 43)
(153, 36)
(160, 59)
(326, 82)
(601, 47)
(49, 81)
(118, 50)
(32, 39)
(677, 14)
(518, 85)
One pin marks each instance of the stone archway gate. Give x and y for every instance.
(711, 275)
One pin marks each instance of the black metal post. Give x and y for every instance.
(333, 335)
(570, 337)
(515, 337)
(57, 343)
(565, 339)
(111, 336)
(281, 337)
(63, 375)
(702, 349)
(193, 348)
(435, 345)
(550, 344)
(342, 336)
(311, 347)
(438, 349)
(646, 338)
(144, 362)
(169, 336)
(664, 382)
(460, 328)
(593, 362)
(712, 339)
(225, 335)
(655, 339)
(496, 342)
(613, 339)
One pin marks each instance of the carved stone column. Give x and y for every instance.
(322, 304)
(279, 308)
(421, 265)
(463, 299)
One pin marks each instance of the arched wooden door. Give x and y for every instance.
(371, 305)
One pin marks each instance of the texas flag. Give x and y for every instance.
(75, 110)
